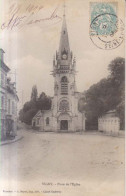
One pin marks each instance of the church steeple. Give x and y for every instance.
(64, 112)
(64, 48)
(64, 57)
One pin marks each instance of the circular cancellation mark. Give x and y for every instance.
(107, 34)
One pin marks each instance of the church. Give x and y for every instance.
(64, 114)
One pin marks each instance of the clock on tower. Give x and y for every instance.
(64, 56)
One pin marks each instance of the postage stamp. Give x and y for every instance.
(106, 30)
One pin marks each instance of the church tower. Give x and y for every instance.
(65, 102)
(64, 114)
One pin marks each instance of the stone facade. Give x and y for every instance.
(3, 93)
(9, 99)
(109, 123)
(11, 112)
(64, 114)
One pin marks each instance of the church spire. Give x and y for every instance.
(64, 47)
(64, 9)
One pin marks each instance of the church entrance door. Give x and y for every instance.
(64, 125)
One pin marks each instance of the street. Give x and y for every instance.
(94, 161)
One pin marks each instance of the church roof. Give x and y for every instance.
(40, 113)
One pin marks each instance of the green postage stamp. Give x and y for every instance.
(106, 29)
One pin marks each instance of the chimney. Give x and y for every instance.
(2, 54)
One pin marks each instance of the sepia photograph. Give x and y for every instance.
(62, 130)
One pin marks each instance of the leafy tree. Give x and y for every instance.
(108, 94)
(31, 107)
(29, 115)
(117, 76)
(44, 102)
(117, 71)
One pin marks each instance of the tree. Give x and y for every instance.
(21, 116)
(44, 102)
(29, 115)
(117, 71)
(34, 93)
(108, 94)
(117, 76)
(31, 107)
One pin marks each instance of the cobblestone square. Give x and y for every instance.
(95, 162)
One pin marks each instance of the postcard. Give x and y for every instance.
(62, 88)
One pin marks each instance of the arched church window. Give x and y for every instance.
(47, 121)
(64, 85)
(64, 105)
(64, 79)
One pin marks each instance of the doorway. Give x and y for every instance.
(9, 127)
(64, 125)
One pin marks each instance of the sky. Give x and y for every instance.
(30, 47)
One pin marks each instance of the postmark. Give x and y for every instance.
(106, 30)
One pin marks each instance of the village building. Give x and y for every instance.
(64, 114)
(9, 99)
(109, 123)
(11, 112)
(4, 69)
